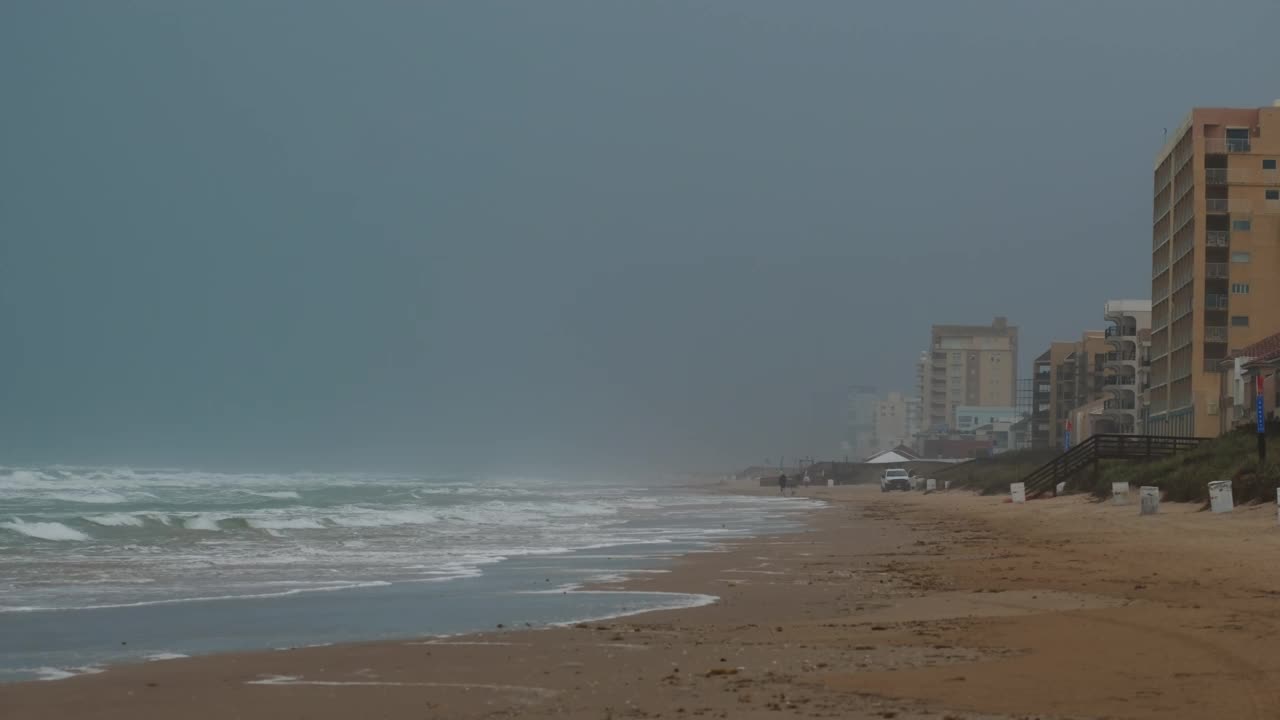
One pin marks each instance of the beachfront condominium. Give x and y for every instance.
(1127, 364)
(1067, 375)
(891, 422)
(973, 365)
(1216, 222)
(861, 407)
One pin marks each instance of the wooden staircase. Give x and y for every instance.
(1103, 447)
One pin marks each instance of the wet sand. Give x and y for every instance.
(894, 606)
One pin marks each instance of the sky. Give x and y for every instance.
(597, 234)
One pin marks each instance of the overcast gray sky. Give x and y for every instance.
(539, 234)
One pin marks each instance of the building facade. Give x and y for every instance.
(914, 424)
(891, 422)
(1215, 226)
(1042, 400)
(1067, 375)
(971, 417)
(1127, 364)
(968, 365)
(860, 429)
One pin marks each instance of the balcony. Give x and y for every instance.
(1217, 238)
(1115, 331)
(1120, 382)
(1215, 334)
(1215, 176)
(1120, 360)
(1215, 302)
(1118, 405)
(1217, 271)
(1222, 146)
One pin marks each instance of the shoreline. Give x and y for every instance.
(908, 606)
(589, 591)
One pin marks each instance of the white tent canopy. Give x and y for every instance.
(888, 457)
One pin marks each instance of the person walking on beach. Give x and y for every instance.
(782, 484)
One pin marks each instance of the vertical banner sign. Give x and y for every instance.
(1262, 421)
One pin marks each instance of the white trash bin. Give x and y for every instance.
(1120, 493)
(946, 485)
(1061, 488)
(1149, 497)
(931, 485)
(1220, 500)
(1019, 492)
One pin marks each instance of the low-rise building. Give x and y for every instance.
(971, 417)
(1238, 390)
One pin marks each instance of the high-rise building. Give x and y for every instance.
(1215, 226)
(914, 424)
(969, 365)
(860, 434)
(1042, 400)
(891, 422)
(1128, 363)
(1067, 375)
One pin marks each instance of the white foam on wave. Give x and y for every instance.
(44, 530)
(23, 479)
(673, 601)
(285, 523)
(54, 673)
(115, 520)
(89, 497)
(278, 494)
(203, 521)
(162, 656)
(211, 598)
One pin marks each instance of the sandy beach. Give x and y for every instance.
(946, 605)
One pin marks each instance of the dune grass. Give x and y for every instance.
(1184, 477)
(992, 476)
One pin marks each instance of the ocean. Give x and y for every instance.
(104, 565)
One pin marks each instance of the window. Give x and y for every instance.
(1240, 288)
(1240, 320)
(1268, 164)
(955, 356)
(1273, 194)
(1240, 225)
(1238, 140)
(1240, 257)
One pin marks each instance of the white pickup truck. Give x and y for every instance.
(895, 479)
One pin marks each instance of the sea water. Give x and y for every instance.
(101, 565)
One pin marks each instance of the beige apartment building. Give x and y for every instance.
(891, 422)
(1214, 261)
(968, 365)
(1068, 375)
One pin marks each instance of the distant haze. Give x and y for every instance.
(559, 235)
